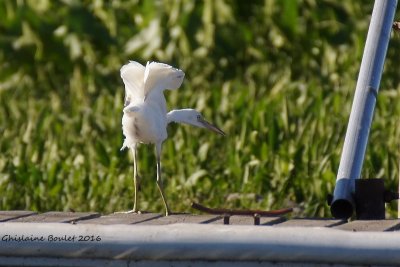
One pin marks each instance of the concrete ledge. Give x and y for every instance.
(198, 242)
(65, 262)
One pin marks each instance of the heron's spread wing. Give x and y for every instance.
(132, 75)
(159, 76)
(146, 84)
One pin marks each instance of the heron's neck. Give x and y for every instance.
(177, 115)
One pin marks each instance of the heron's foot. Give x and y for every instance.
(129, 212)
(169, 212)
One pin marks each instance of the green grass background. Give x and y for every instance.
(278, 76)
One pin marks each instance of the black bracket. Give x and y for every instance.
(369, 198)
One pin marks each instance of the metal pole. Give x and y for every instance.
(362, 111)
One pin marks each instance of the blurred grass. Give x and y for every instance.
(277, 76)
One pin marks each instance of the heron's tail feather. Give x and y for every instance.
(123, 146)
(128, 144)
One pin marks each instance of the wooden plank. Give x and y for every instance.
(370, 225)
(158, 219)
(307, 222)
(57, 216)
(183, 218)
(247, 220)
(14, 214)
(123, 218)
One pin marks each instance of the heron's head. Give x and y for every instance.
(192, 117)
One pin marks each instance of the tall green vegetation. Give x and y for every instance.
(277, 75)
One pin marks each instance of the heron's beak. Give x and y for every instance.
(211, 127)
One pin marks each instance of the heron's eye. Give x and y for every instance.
(199, 117)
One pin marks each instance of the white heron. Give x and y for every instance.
(145, 117)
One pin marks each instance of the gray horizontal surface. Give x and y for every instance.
(208, 242)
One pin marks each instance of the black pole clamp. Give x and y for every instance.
(369, 199)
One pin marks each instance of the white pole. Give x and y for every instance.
(362, 111)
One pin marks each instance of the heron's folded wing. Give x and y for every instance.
(132, 75)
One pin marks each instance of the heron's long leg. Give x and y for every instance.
(136, 179)
(159, 181)
(136, 182)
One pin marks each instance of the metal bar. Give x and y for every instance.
(230, 212)
(257, 219)
(363, 107)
